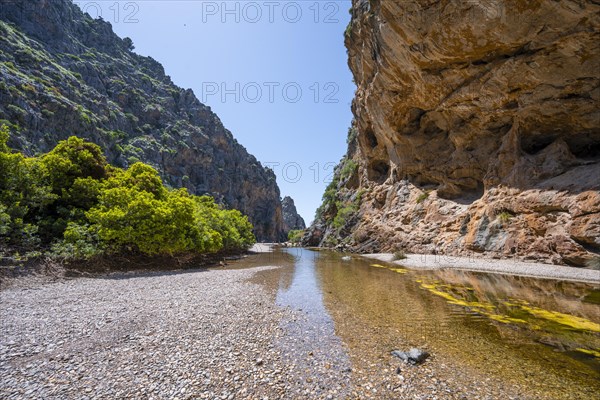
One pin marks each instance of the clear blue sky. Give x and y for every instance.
(228, 49)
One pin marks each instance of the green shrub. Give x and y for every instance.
(14, 91)
(5, 221)
(422, 197)
(352, 135)
(47, 113)
(28, 87)
(84, 115)
(71, 193)
(132, 118)
(330, 192)
(10, 65)
(116, 135)
(295, 236)
(128, 44)
(343, 215)
(350, 167)
(504, 216)
(348, 30)
(136, 211)
(16, 110)
(73, 57)
(22, 194)
(72, 159)
(80, 242)
(5, 124)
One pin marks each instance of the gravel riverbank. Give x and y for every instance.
(208, 334)
(202, 334)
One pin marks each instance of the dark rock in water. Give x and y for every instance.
(413, 356)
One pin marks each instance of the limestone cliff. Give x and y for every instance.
(477, 128)
(291, 219)
(64, 73)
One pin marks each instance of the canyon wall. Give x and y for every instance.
(477, 129)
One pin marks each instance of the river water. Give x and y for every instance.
(541, 335)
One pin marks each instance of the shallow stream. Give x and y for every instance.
(542, 335)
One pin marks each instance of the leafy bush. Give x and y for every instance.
(80, 242)
(22, 194)
(84, 115)
(345, 212)
(16, 110)
(71, 202)
(136, 210)
(10, 65)
(350, 167)
(28, 87)
(72, 159)
(328, 199)
(128, 44)
(4, 220)
(295, 236)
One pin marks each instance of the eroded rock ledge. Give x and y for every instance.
(478, 129)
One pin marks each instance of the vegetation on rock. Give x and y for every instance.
(295, 236)
(422, 197)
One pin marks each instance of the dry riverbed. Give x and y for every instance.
(214, 334)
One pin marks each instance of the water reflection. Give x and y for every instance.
(310, 340)
(538, 334)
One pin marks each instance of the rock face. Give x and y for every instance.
(477, 128)
(64, 73)
(291, 219)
